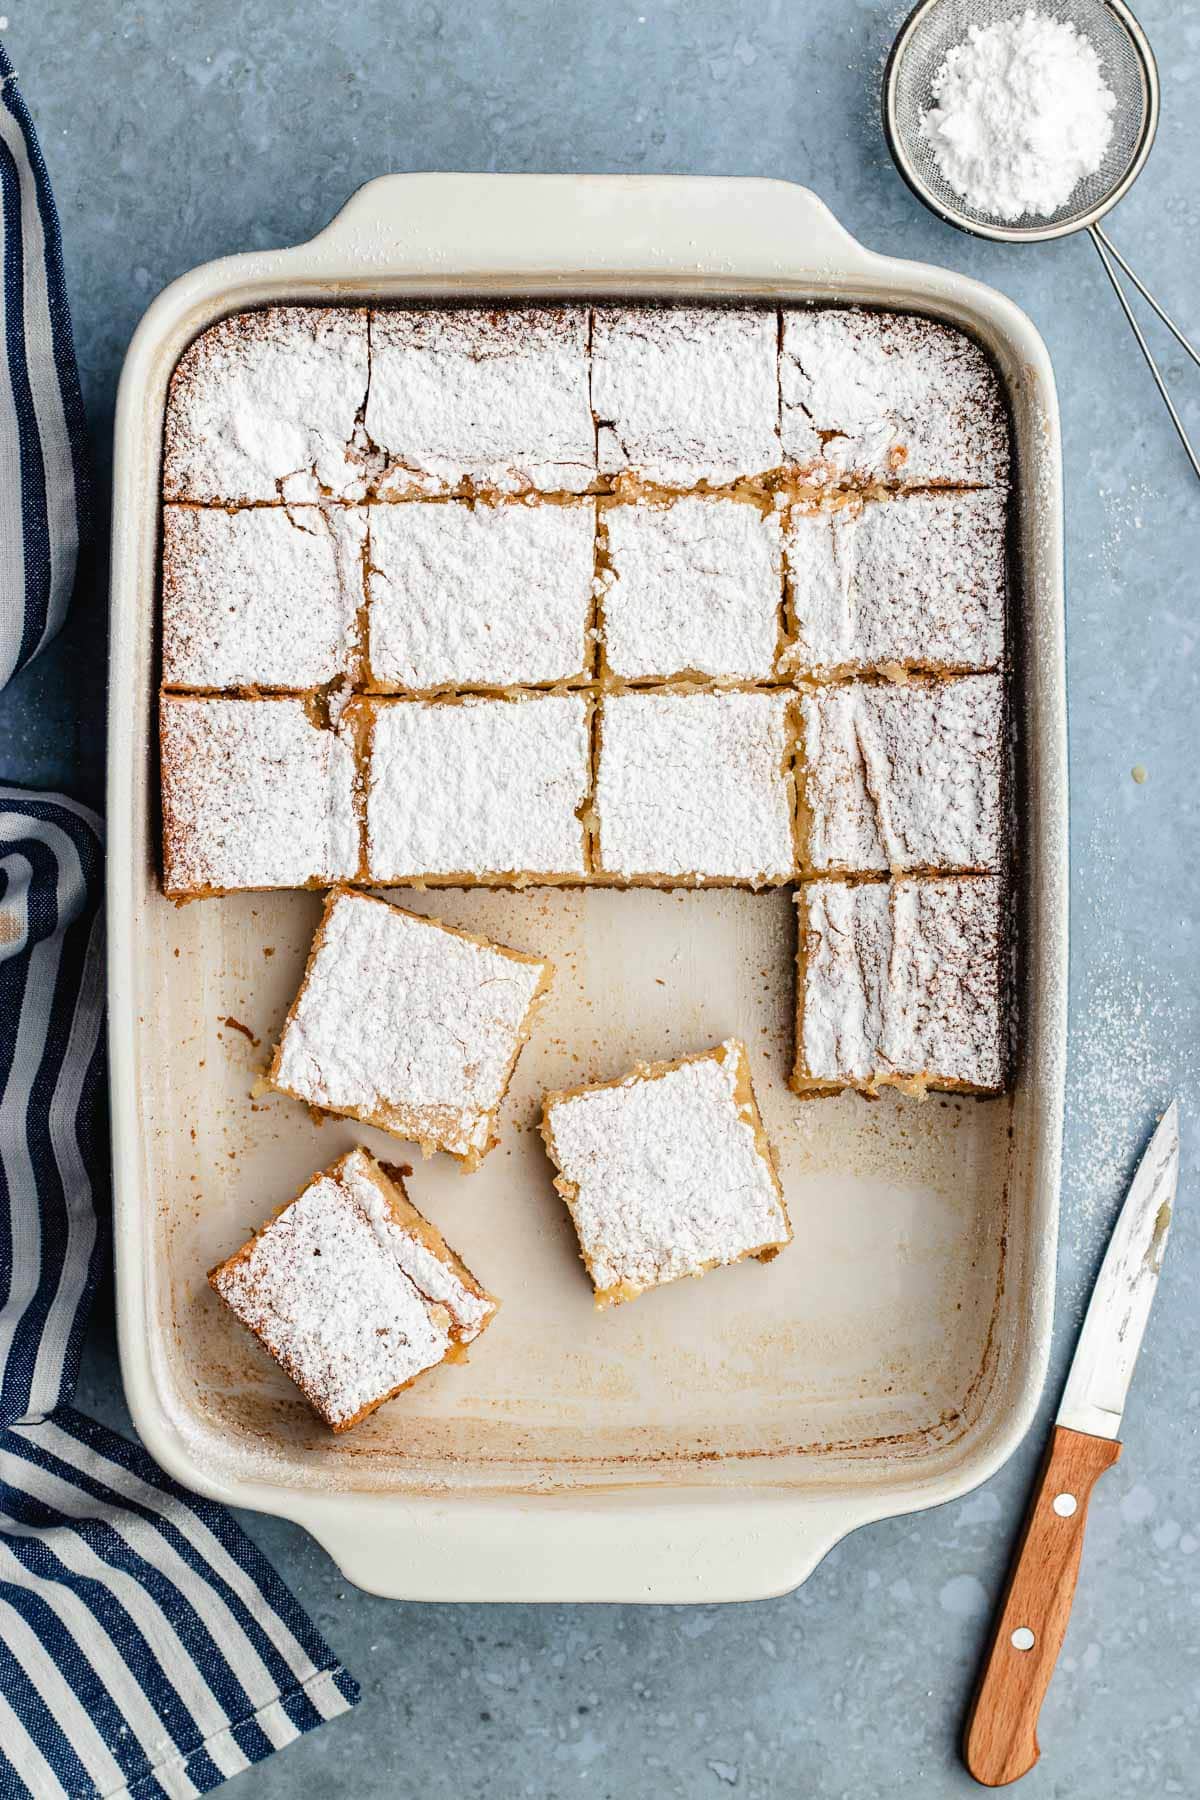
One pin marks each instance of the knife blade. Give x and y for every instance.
(1102, 1368)
(1000, 1742)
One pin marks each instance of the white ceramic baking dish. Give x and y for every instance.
(712, 1441)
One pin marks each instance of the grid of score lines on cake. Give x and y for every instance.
(678, 595)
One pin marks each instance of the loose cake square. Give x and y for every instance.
(264, 406)
(686, 396)
(903, 776)
(438, 1272)
(691, 588)
(902, 984)
(884, 396)
(267, 597)
(666, 1172)
(916, 582)
(409, 1025)
(254, 795)
(696, 787)
(475, 596)
(352, 1292)
(467, 400)
(478, 789)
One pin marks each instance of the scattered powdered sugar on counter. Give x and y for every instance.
(1133, 1047)
(1022, 115)
(1130, 1031)
(1127, 509)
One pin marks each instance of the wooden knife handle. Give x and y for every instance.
(1000, 1742)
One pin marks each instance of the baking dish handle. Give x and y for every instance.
(550, 1548)
(464, 223)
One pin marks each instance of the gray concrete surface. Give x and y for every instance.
(176, 132)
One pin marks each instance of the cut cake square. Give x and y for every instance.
(903, 984)
(265, 405)
(409, 1025)
(475, 596)
(890, 397)
(666, 1172)
(903, 777)
(915, 582)
(352, 1292)
(467, 400)
(693, 588)
(254, 795)
(418, 1246)
(696, 787)
(686, 396)
(267, 597)
(478, 789)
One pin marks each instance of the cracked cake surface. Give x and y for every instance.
(407, 1024)
(254, 795)
(903, 776)
(480, 596)
(889, 397)
(266, 597)
(685, 395)
(495, 400)
(916, 581)
(901, 982)
(691, 588)
(695, 786)
(437, 1271)
(666, 1172)
(478, 787)
(264, 406)
(324, 1288)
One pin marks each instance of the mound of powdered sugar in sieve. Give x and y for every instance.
(1022, 114)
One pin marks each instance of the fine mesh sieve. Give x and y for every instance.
(1129, 69)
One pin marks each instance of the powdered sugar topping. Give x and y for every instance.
(481, 401)
(254, 795)
(408, 1024)
(478, 787)
(695, 786)
(327, 1299)
(483, 596)
(664, 1173)
(903, 777)
(692, 588)
(267, 597)
(685, 395)
(889, 397)
(917, 581)
(264, 405)
(902, 979)
(436, 1276)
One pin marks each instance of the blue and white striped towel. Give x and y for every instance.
(146, 1647)
(43, 481)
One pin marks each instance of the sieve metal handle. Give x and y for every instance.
(1109, 256)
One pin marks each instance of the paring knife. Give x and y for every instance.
(1000, 1743)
